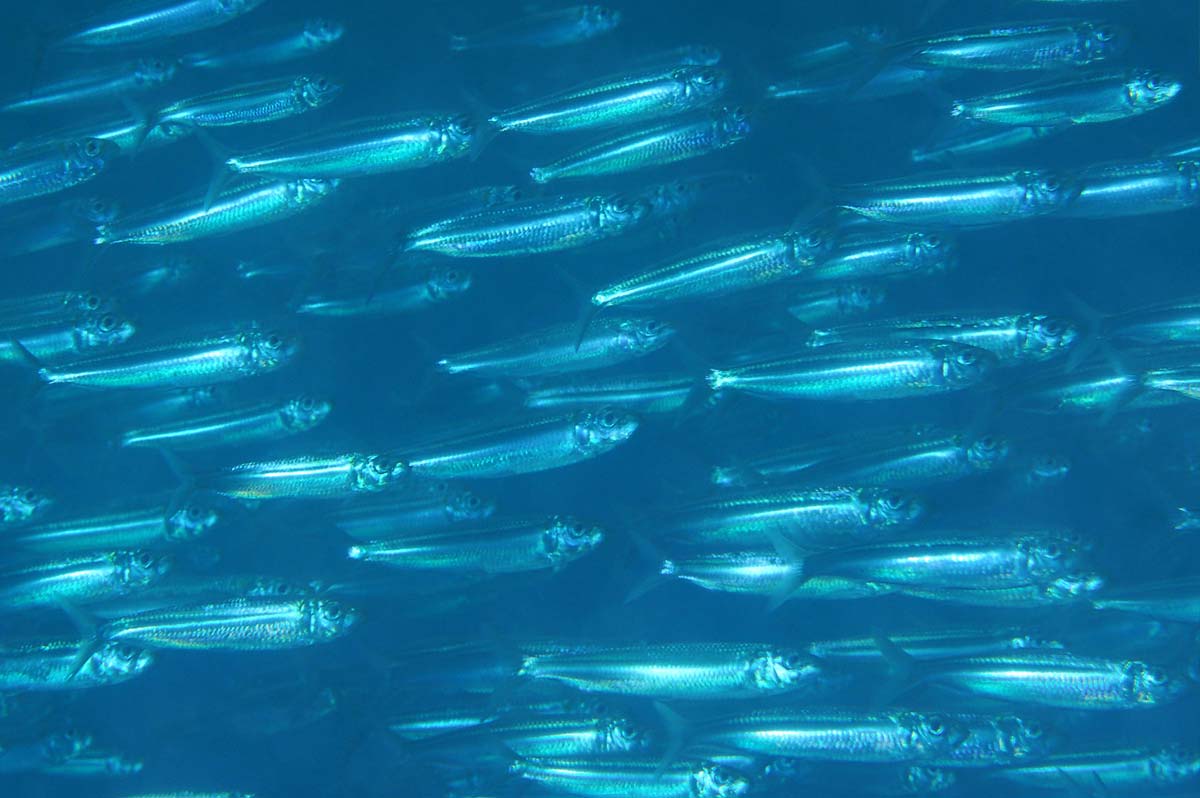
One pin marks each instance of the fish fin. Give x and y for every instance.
(146, 121)
(589, 314)
(649, 583)
(89, 632)
(901, 669)
(1093, 329)
(222, 174)
(29, 358)
(678, 729)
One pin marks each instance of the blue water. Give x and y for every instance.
(255, 721)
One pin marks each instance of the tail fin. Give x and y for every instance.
(678, 730)
(901, 667)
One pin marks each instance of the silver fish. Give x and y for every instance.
(556, 28)
(270, 46)
(151, 20)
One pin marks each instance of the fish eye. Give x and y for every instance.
(653, 327)
(91, 302)
(306, 403)
(30, 496)
(1033, 730)
(453, 276)
(1053, 551)
(1106, 34)
(283, 589)
(1053, 327)
(145, 560)
(608, 419)
(321, 83)
(1053, 184)
(936, 726)
(193, 512)
(332, 612)
(473, 502)
(967, 358)
(127, 653)
(274, 341)
(108, 322)
(987, 442)
(99, 206)
(1156, 676)
(92, 148)
(894, 501)
(933, 241)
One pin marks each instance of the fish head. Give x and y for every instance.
(1174, 765)
(116, 662)
(923, 780)
(322, 32)
(1146, 90)
(701, 83)
(1151, 684)
(154, 71)
(308, 190)
(20, 503)
(141, 568)
(1021, 738)
(191, 521)
(619, 212)
(597, 19)
(1047, 468)
(457, 135)
(603, 428)
(1073, 586)
(931, 734)
(1189, 172)
(61, 746)
(962, 364)
(378, 471)
(710, 780)
(621, 735)
(986, 452)
(1100, 42)
(99, 330)
(566, 539)
(316, 91)
(643, 335)
(1047, 557)
(931, 251)
(305, 412)
(889, 508)
(1047, 190)
(91, 154)
(1045, 336)
(447, 281)
(731, 124)
(465, 505)
(776, 670)
(94, 210)
(858, 298)
(812, 244)
(331, 618)
(270, 349)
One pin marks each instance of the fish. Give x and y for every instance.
(83, 579)
(1012, 338)
(98, 84)
(51, 343)
(20, 503)
(721, 270)
(1047, 678)
(1173, 600)
(632, 777)
(93, 763)
(748, 572)
(46, 751)
(257, 203)
(1105, 97)
(1136, 188)
(237, 427)
(69, 222)
(810, 519)
(421, 291)
(944, 643)
(978, 141)
(888, 256)
(50, 307)
(182, 590)
(41, 171)
(130, 133)
(862, 372)
(683, 671)
(498, 547)
(530, 227)
(628, 99)
(997, 741)
(540, 735)
(1072, 588)
(1037, 46)
(53, 665)
(542, 29)
(152, 20)
(456, 507)
(1123, 769)
(962, 200)
(194, 361)
(251, 103)
(335, 476)
(559, 349)
(956, 563)
(838, 46)
(897, 736)
(241, 624)
(141, 528)
(840, 84)
(669, 143)
(539, 443)
(638, 393)
(364, 147)
(268, 46)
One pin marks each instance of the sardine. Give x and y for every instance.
(53, 665)
(555, 28)
(238, 427)
(269, 46)
(251, 103)
(126, 529)
(98, 84)
(151, 20)
(86, 579)
(39, 171)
